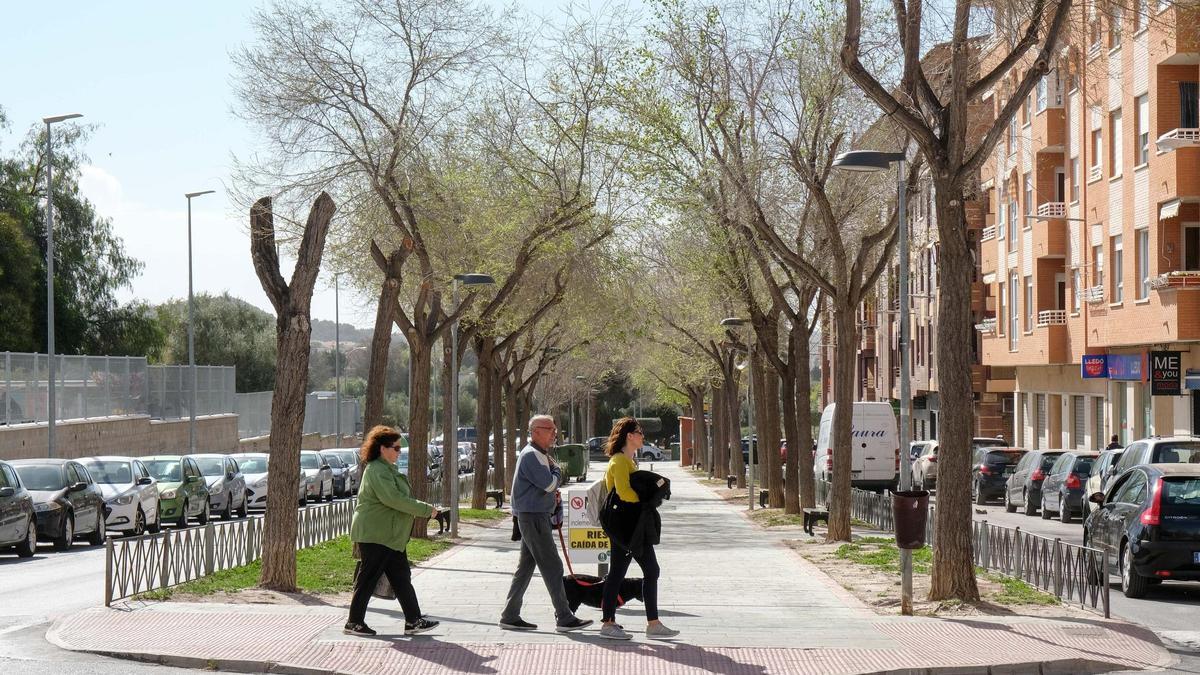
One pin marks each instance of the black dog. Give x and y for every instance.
(584, 589)
(443, 518)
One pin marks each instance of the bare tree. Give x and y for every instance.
(293, 330)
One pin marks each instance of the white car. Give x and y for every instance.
(318, 477)
(254, 468)
(130, 492)
(652, 453)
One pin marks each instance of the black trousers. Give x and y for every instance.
(618, 566)
(377, 560)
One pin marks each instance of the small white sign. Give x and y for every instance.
(586, 541)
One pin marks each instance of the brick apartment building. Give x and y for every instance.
(1090, 254)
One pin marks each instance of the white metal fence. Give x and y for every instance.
(103, 386)
(172, 557)
(320, 414)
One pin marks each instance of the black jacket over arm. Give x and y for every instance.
(634, 525)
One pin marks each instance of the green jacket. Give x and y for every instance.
(386, 509)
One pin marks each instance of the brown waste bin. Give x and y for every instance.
(911, 511)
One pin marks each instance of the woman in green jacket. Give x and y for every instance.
(382, 523)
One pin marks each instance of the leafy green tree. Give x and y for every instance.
(229, 332)
(18, 261)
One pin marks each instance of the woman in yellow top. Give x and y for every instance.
(622, 447)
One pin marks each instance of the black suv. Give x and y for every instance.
(1024, 486)
(990, 468)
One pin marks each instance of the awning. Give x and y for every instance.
(1169, 210)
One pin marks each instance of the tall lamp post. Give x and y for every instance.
(467, 280)
(752, 463)
(337, 360)
(192, 328)
(50, 380)
(869, 160)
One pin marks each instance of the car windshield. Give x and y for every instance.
(349, 457)
(309, 461)
(1177, 491)
(211, 466)
(1083, 466)
(41, 476)
(164, 469)
(1010, 457)
(253, 465)
(1176, 453)
(110, 473)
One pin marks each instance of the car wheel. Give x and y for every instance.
(1064, 511)
(1045, 510)
(227, 514)
(1133, 584)
(97, 536)
(156, 526)
(139, 523)
(27, 548)
(243, 510)
(329, 497)
(1008, 505)
(1030, 508)
(977, 494)
(68, 534)
(183, 516)
(205, 513)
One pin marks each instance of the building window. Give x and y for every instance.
(1143, 263)
(1191, 247)
(1027, 109)
(1098, 265)
(1012, 223)
(1140, 12)
(1077, 422)
(1114, 26)
(1028, 304)
(1118, 263)
(1012, 135)
(1041, 93)
(1074, 179)
(1000, 310)
(1077, 290)
(1143, 129)
(1189, 106)
(1030, 209)
(1114, 133)
(1097, 147)
(1002, 218)
(1013, 329)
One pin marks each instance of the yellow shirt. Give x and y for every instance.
(617, 475)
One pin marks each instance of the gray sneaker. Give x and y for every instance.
(614, 632)
(660, 631)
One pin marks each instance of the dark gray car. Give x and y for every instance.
(1024, 486)
(1064, 490)
(18, 523)
(66, 500)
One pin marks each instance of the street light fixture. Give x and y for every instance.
(192, 327)
(467, 280)
(50, 393)
(337, 359)
(752, 463)
(868, 160)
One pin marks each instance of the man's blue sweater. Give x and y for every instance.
(534, 482)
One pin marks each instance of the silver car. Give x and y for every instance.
(226, 484)
(924, 466)
(254, 467)
(318, 476)
(342, 483)
(130, 492)
(348, 457)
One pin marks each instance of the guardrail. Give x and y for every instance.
(1072, 573)
(139, 564)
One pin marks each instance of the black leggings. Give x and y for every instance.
(378, 560)
(618, 562)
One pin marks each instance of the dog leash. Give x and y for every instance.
(562, 542)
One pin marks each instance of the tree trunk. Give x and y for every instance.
(791, 430)
(293, 330)
(381, 344)
(733, 403)
(771, 440)
(804, 454)
(953, 569)
(510, 439)
(449, 425)
(483, 420)
(497, 428)
(719, 436)
(843, 417)
(421, 362)
(699, 439)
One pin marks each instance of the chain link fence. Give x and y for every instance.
(320, 414)
(104, 386)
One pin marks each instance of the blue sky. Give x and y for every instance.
(155, 78)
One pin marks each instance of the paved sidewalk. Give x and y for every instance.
(744, 602)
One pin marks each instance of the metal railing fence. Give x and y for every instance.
(154, 561)
(1072, 573)
(320, 414)
(89, 387)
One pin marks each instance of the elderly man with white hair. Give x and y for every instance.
(534, 500)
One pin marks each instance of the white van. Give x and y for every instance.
(875, 461)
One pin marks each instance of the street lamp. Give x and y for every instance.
(868, 160)
(752, 464)
(50, 405)
(468, 280)
(337, 358)
(192, 327)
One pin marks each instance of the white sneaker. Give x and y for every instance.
(614, 632)
(658, 630)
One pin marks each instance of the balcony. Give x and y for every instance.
(988, 252)
(1045, 345)
(1052, 317)
(987, 326)
(1173, 281)
(1049, 238)
(867, 343)
(978, 297)
(1093, 295)
(1094, 173)
(1179, 138)
(1052, 210)
(989, 233)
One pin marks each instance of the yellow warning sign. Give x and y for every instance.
(588, 539)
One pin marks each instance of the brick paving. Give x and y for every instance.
(745, 603)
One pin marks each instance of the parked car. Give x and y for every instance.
(875, 446)
(595, 446)
(254, 466)
(988, 442)
(990, 469)
(130, 492)
(466, 457)
(349, 457)
(652, 453)
(1024, 486)
(1157, 450)
(924, 467)
(182, 491)
(318, 476)
(1063, 491)
(916, 447)
(1149, 523)
(65, 499)
(18, 521)
(1097, 478)
(343, 484)
(226, 484)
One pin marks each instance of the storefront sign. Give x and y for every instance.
(1094, 366)
(1126, 367)
(1165, 369)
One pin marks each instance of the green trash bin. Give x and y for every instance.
(573, 458)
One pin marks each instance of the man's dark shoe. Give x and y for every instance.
(575, 623)
(419, 626)
(358, 629)
(518, 624)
